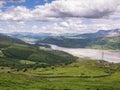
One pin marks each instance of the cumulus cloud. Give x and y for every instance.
(71, 25)
(83, 8)
(60, 9)
(75, 8)
(19, 13)
(76, 26)
(73, 16)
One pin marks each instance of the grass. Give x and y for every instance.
(19, 82)
(27, 62)
(26, 81)
(83, 68)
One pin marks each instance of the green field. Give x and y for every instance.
(32, 80)
(82, 68)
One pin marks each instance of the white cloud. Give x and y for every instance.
(83, 8)
(18, 13)
(61, 9)
(74, 25)
(65, 16)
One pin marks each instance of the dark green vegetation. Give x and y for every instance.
(107, 43)
(72, 42)
(66, 42)
(31, 79)
(6, 41)
(14, 50)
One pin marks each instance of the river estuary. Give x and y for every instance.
(108, 55)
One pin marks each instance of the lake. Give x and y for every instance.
(108, 55)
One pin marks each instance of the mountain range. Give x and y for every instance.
(98, 34)
(109, 39)
(101, 33)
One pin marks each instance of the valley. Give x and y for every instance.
(40, 66)
(59, 44)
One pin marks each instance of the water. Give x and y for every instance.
(109, 55)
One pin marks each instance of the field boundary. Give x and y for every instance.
(100, 76)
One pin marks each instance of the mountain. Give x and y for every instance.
(6, 41)
(29, 35)
(4, 37)
(66, 42)
(106, 42)
(101, 33)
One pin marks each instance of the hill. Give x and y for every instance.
(66, 42)
(13, 51)
(106, 43)
(83, 75)
(72, 42)
(6, 41)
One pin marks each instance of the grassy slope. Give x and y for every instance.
(26, 81)
(15, 50)
(83, 68)
(108, 43)
(6, 41)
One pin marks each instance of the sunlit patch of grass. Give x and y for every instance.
(27, 62)
(82, 68)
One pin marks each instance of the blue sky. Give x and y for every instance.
(58, 16)
(28, 3)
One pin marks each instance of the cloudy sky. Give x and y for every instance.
(59, 16)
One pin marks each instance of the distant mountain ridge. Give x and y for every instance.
(5, 38)
(101, 33)
(29, 35)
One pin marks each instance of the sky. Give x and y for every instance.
(59, 16)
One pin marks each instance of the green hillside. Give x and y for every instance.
(14, 51)
(107, 43)
(6, 41)
(67, 42)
